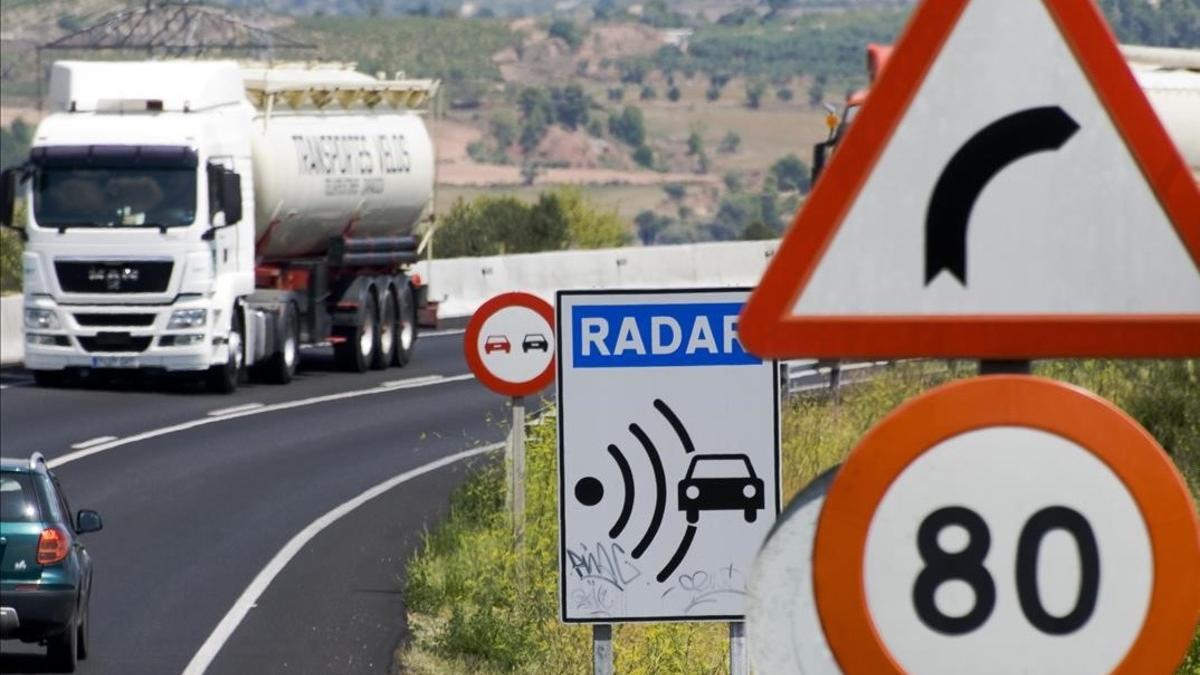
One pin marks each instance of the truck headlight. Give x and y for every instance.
(187, 318)
(43, 319)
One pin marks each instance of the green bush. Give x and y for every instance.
(479, 604)
(560, 219)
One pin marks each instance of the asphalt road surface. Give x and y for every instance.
(199, 493)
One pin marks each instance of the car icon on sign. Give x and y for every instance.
(721, 483)
(497, 343)
(535, 341)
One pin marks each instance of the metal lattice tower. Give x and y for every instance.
(175, 28)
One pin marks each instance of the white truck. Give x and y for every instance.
(212, 217)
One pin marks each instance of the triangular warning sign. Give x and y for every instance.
(1005, 192)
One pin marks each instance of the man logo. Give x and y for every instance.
(113, 277)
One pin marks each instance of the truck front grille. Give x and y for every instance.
(114, 319)
(115, 342)
(106, 276)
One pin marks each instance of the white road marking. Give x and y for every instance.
(95, 441)
(234, 409)
(184, 426)
(428, 379)
(443, 333)
(249, 597)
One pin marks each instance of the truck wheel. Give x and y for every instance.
(389, 329)
(357, 350)
(223, 379)
(62, 650)
(281, 367)
(406, 334)
(50, 378)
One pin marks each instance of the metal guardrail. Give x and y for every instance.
(809, 376)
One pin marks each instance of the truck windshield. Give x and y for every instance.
(97, 196)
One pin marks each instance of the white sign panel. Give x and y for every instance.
(668, 455)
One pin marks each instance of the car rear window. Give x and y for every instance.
(18, 499)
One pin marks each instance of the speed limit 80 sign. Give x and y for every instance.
(1008, 524)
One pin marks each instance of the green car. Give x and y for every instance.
(45, 571)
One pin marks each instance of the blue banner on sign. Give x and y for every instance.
(644, 336)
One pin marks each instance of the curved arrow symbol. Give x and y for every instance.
(986, 154)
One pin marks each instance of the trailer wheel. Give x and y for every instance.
(224, 378)
(406, 335)
(389, 331)
(361, 341)
(281, 367)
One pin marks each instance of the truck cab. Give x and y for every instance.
(139, 231)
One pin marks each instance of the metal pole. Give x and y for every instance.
(738, 663)
(602, 649)
(518, 467)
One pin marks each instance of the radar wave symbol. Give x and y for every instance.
(660, 484)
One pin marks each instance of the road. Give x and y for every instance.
(199, 493)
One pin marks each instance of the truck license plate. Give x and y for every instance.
(114, 362)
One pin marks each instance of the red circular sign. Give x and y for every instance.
(509, 344)
(951, 423)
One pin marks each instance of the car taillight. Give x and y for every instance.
(53, 546)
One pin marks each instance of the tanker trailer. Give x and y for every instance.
(344, 176)
(201, 216)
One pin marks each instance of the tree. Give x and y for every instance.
(816, 93)
(650, 225)
(783, 94)
(589, 226)
(791, 174)
(712, 93)
(675, 191)
(695, 143)
(754, 93)
(733, 182)
(529, 172)
(632, 72)
(616, 94)
(644, 156)
(571, 106)
(673, 93)
(730, 142)
(628, 126)
(758, 231)
(649, 93)
(533, 129)
(504, 128)
(566, 31)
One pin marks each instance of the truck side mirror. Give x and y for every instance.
(231, 196)
(8, 196)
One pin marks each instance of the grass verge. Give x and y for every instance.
(477, 605)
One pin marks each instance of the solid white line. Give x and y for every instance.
(442, 333)
(229, 623)
(95, 441)
(234, 409)
(184, 426)
(428, 379)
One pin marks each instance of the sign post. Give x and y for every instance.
(668, 456)
(509, 345)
